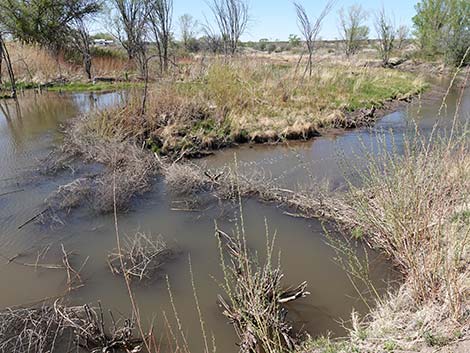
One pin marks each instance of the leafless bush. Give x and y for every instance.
(231, 17)
(127, 168)
(51, 328)
(254, 298)
(311, 29)
(70, 195)
(29, 330)
(130, 173)
(386, 34)
(187, 179)
(141, 256)
(90, 332)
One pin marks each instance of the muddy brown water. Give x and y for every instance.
(30, 130)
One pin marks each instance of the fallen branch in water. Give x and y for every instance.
(33, 218)
(74, 280)
(11, 192)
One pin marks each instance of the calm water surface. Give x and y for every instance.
(30, 130)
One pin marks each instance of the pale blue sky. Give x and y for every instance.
(276, 19)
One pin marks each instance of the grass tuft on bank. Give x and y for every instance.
(413, 207)
(93, 87)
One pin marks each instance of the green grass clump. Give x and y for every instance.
(93, 87)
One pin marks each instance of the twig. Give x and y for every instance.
(33, 218)
(11, 192)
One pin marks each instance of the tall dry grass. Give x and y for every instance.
(33, 64)
(412, 203)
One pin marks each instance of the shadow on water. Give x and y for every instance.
(28, 132)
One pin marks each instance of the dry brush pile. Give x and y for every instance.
(254, 297)
(125, 171)
(57, 327)
(140, 257)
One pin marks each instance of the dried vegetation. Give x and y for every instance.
(125, 168)
(254, 298)
(141, 256)
(53, 328)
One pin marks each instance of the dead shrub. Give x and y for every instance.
(126, 168)
(141, 256)
(254, 298)
(186, 179)
(51, 328)
(29, 330)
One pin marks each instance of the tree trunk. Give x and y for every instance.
(1, 66)
(11, 74)
(87, 65)
(165, 56)
(146, 79)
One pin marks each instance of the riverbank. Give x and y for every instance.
(98, 85)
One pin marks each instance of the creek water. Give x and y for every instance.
(30, 130)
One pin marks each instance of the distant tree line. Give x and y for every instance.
(441, 29)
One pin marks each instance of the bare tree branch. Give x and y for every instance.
(232, 18)
(310, 29)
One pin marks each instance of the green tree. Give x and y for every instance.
(458, 33)
(352, 28)
(263, 44)
(294, 41)
(442, 27)
(429, 22)
(44, 22)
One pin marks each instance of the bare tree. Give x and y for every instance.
(188, 29)
(385, 34)
(130, 28)
(212, 40)
(81, 41)
(402, 35)
(310, 29)
(352, 28)
(232, 18)
(160, 19)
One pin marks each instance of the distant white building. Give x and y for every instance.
(103, 42)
